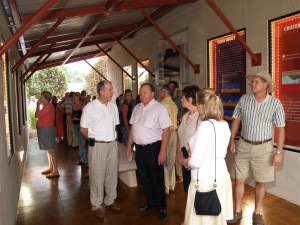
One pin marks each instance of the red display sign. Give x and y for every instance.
(285, 36)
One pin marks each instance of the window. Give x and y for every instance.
(143, 74)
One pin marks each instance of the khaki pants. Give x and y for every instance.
(70, 133)
(169, 166)
(103, 174)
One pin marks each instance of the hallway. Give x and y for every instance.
(65, 201)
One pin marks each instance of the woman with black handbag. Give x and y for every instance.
(207, 163)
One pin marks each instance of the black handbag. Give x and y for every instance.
(207, 203)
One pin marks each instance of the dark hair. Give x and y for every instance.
(167, 89)
(190, 92)
(175, 84)
(150, 85)
(127, 91)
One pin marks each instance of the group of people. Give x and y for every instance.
(160, 135)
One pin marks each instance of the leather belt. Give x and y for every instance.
(143, 146)
(257, 142)
(106, 142)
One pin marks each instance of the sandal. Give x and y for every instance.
(53, 175)
(236, 216)
(46, 171)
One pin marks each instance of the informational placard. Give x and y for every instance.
(227, 70)
(285, 66)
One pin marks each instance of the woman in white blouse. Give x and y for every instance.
(202, 159)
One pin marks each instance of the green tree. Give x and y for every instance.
(53, 80)
(93, 78)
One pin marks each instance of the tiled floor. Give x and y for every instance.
(65, 201)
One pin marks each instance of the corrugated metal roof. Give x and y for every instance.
(74, 38)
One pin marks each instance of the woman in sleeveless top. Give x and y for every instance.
(76, 115)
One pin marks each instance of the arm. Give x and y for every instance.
(277, 158)
(124, 115)
(85, 132)
(129, 148)
(163, 149)
(234, 129)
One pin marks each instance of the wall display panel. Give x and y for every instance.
(285, 68)
(6, 103)
(227, 70)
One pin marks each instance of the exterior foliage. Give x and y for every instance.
(53, 80)
(93, 78)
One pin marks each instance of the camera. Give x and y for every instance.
(184, 152)
(92, 142)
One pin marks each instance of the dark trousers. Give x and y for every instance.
(186, 174)
(151, 174)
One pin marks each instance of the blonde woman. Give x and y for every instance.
(202, 159)
(46, 132)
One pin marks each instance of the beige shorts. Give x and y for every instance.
(256, 159)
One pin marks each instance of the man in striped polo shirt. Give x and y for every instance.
(258, 113)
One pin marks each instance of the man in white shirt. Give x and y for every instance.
(150, 132)
(98, 124)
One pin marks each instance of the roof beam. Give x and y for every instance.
(95, 69)
(75, 58)
(105, 8)
(256, 58)
(81, 35)
(69, 12)
(136, 4)
(112, 5)
(72, 46)
(171, 42)
(130, 53)
(26, 26)
(104, 51)
(41, 41)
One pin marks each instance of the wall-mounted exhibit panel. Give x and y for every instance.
(227, 70)
(285, 68)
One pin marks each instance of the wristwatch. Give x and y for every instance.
(278, 152)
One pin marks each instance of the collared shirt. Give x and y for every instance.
(148, 122)
(258, 119)
(172, 110)
(100, 120)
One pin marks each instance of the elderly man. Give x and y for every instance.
(258, 113)
(150, 132)
(169, 167)
(98, 124)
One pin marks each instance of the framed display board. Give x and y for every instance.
(227, 70)
(285, 68)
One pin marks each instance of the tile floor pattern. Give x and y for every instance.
(65, 201)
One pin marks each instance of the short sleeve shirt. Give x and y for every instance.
(258, 119)
(148, 122)
(100, 120)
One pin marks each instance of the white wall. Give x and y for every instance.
(203, 23)
(10, 170)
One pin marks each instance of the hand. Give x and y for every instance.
(276, 160)
(231, 146)
(129, 151)
(161, 158)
